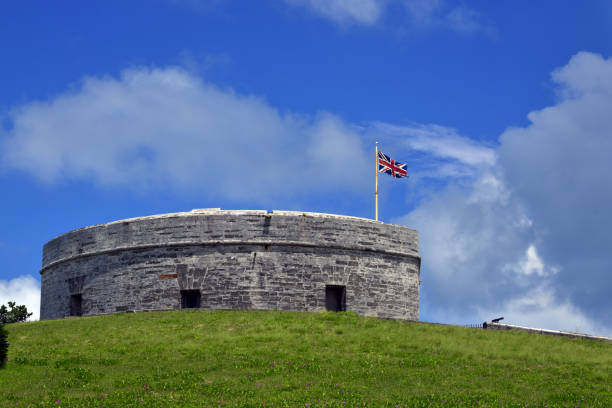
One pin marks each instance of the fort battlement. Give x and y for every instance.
(225, 259)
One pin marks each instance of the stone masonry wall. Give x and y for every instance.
(237, 259)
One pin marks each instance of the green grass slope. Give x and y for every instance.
(282, 359)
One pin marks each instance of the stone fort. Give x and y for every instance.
(216, 259)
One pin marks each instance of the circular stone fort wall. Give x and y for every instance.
(214, 259)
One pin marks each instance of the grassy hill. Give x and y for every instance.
(254, 359)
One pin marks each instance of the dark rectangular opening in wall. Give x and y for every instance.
(335, 298)
(76, 302)
(190, 299)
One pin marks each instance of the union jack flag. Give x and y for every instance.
(390, 166)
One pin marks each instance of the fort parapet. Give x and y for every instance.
(215, 259)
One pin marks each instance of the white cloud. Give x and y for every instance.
(541, 308)
(438, 154)
(559, 167)
(155, 128)
(465, 19)
(477, 265)
(420, 13)
(524, 233)
(23, 290)
(441, 141)
(586, 73)
(365, 12)
(423, 11)
(467, 233)
(531, 264)
(435, 14)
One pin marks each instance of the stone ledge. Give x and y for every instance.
(270, 243)
(218, 211)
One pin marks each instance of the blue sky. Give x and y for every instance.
(115, 109)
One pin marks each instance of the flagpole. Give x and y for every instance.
(376, 189)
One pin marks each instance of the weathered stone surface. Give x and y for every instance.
(237, 259)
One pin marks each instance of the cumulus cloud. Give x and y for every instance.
(481, 261)
(586, 73)
(466, 234)
(559, 167)
(23, 290)
(525, 234)
(154, 128)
